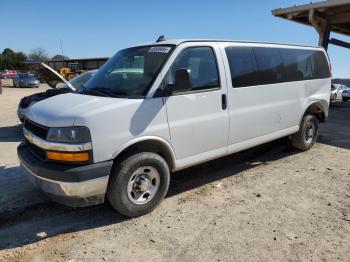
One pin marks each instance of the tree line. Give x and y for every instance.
(12, 60)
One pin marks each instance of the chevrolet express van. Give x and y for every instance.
(161, 107)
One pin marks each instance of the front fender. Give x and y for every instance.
(137, 140)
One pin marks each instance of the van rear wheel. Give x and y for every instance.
(138, 184)
(307, 135)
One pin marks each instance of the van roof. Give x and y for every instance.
(180, 41)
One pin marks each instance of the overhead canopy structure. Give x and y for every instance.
(326, 17)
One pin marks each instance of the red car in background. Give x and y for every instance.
(8, 74)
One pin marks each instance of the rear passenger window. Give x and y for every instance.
(298, 64)
(321, 65)
(243, 66)
(252, 66)
(270, 64)
(202, 63)
(305, 64)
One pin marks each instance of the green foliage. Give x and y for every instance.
(12, 60)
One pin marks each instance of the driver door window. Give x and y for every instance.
(202, 64)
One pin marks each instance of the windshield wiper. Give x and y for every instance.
(102, 91)
(97, 91)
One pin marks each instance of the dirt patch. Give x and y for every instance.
(270, 203)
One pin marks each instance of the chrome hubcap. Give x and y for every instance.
(309, 132)
(143, 185)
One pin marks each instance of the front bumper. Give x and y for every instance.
(30, 85)
(346, 95)
(70, 185)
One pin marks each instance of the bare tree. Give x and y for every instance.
(39, 54)
(59, 57)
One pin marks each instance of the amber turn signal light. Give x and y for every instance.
(68, 157)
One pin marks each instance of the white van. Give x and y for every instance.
(161, 107)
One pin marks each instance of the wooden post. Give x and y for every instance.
(321, 25)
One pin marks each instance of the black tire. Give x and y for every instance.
(345, 99)
(302, 140)
(117, 191)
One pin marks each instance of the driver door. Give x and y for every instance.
(198, 119)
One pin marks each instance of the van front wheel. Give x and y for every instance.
(138, 184)
(307, 135)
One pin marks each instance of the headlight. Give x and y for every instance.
(69, 134)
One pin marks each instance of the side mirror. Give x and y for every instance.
(183, 81)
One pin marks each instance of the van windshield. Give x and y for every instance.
(129, 73)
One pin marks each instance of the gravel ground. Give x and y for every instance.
(270, 203)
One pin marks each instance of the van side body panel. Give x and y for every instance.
(263, 113)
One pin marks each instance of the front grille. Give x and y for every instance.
(37, 151)
(36, 129)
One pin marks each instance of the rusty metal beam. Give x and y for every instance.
(340, 43)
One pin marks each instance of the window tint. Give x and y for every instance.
(202, 63)
(298, 64)
(305, 64)
(321, 65)
(262, 65)
(270, 64)
(243, 66)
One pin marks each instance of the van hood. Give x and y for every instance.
(68, 109)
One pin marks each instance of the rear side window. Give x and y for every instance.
(251, 66)
(305, 64)
(243, 66)
(270, 64)
(321, 65)
(202, 63)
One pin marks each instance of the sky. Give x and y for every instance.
(98, 28)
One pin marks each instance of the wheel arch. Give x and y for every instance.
(317, 108)
(148, 144)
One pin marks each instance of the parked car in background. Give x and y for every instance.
(346, 95)
(58, 84)
(25, 80)
(169, 105)
(333, 96)
(338, 92)
(8, 74)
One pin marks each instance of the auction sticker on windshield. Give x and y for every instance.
(159, 49)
